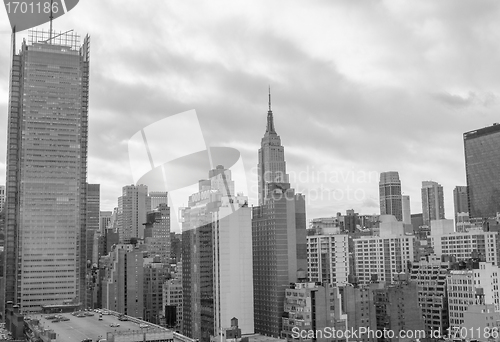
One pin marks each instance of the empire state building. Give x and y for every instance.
(272, 166)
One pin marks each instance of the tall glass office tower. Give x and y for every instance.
(391, 200)
(47, 171)
(482, 162)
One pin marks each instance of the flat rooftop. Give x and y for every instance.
(90, 327)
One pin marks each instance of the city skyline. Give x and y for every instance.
(383, 96)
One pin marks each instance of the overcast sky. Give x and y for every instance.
(358, 87)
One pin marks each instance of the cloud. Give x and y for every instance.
(356, 86)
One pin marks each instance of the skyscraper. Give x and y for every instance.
(133, 206)
(47, 171)
(278, 235)
(482, 162)
(391, 200)
(271, 167)
(432, 202)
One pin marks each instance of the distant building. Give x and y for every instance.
(391, 200)
(105, 220)
(382, 257)
(155, 275)
(2, 197)
(477, 284)
(328, 258)
(312, 307)
(460, 201)
(271, 167)
(278, 229)
(123, 273)
(397, 309)
(432, 201)
(430, 275)
(482, 162)
(172, 304)
(217, 275)
(91, 233)
(406, 209)
(133, 206)
(157, 232)
(157, 198)
(417, 221)
(358, 304)
(462, 245)
(483, 320)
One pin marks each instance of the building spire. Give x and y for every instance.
(270, 121)
(269, 97)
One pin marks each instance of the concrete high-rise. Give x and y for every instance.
(432, 202)
(133, 206)
(391, 200)
(217, 276)
(482, 162)
(271, 167)
(328, 258)
(47, 171)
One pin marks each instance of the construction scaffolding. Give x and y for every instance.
(68, 39)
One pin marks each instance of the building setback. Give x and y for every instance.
(47, 173)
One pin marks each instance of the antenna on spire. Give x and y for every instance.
(51, 18)
(269, 97)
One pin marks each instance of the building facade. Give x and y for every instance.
(476, 284)
(45, 204)
(482, 161)
(328, 258)
(430, 275)
(462, 245)
(381, 258)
